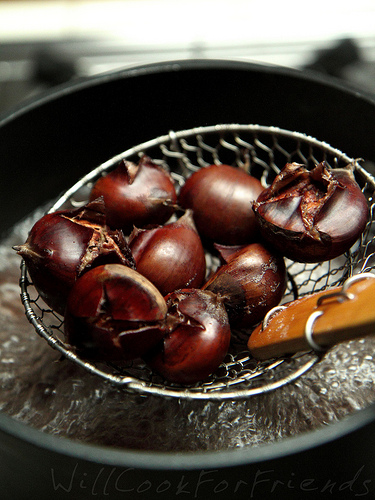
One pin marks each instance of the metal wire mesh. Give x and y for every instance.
(262, 152)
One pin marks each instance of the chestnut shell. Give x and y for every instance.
(197, 340)
(136, 194)
(312, 216)
(251, 282)
(170, 256)
(114, 313)
(62, 245)
(221, 197)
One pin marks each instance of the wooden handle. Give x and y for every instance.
(345, 314)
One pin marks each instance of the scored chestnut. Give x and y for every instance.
(136, 194)
(251, 282)
(170, 256)
(197, 340)
(221, 197)
(114, 313)
(62, 245)
(312, 216)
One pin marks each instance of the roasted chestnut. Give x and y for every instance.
(312, 216)
(221, 197)
(64, 244)
(136, 194)
(170, 256)
(197, 340)
(114, 313)
(251, 282)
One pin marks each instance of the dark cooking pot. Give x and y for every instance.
(47, 144)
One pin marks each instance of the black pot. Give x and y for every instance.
(47, 144)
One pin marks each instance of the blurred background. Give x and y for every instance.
(46, 43)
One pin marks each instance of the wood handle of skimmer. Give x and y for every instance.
(317, 321)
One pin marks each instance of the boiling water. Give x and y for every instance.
(57, 397)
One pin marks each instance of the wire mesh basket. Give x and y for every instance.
(262, 151)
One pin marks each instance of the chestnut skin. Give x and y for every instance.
(251, 281)
(197, 340)
(312, 216)
(62, 245)
(136, 194)
(170, 256)
(114, 313)
(221, 197)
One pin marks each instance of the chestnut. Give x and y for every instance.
(136, 194)
(312, 216)
(64, 244)
(251, 282)
(221, 197)
(114, 313)
(197, 340)
(170, 256)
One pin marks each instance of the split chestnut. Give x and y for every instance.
(251, 281)
(136, 194)
(198, 337)
(62, 245)
(312, 216)
(170, 256)
(114, 313)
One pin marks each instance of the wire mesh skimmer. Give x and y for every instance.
(262, 151)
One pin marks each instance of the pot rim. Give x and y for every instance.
(168, 66)
(158, 460)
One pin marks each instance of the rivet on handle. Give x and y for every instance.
(354, 279)
(270, 313)
(309, 332)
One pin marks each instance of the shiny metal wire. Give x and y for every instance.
(262, 151)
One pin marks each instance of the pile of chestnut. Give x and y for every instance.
(128, 270)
